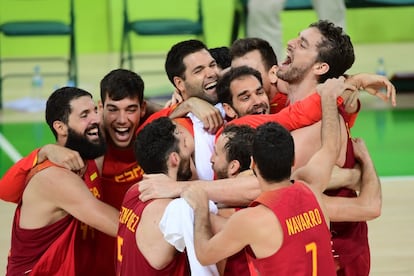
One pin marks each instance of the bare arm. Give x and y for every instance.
(207, 113)
(149, 237)
(61, 156)
(375, 85)
(237, 231)
(60, 189)
(238, 191)
(345, 178)
(367, 205)
(318, 169)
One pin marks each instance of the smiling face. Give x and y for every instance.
(200, 77)
(83, 133)
(302, 53)
(248, 97)
(254, 60)
(121, 119)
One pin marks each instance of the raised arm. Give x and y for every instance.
(376, 85)
(317, 171)
(367, 205)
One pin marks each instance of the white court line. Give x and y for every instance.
(9, 149)
(397, 178)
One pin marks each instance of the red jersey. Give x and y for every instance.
(130, 260)
(279, 101)
(350, 239)
(165, 112)
(120, 171)
(306, 246)
(237, 265)
(65, 247)
(14, 180)
(86, 243)
(300, 114)
(87, 236)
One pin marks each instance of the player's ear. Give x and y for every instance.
(321, 68)
(143, 108)
(233, 168)
(60, 128)
(179, 84)
(174, 159)
(230, 112)
(272, 74)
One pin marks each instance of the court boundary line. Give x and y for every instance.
(8, 148)
(397, 178)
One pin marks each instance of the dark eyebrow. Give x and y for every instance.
(302, 38)
(197, 68)
(244, 92)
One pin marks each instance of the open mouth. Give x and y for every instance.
(122, 131)
(287, 61)
(259, 112)
(210, 87)
(93, 132)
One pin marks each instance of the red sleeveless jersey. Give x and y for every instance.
(350, 239)
(130, 260)
(306, 246)
(62, 248)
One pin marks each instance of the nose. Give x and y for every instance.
(96, 117)
(212, 71)
(257, 100)
(122, 117)
(212, 159)
(292, 43)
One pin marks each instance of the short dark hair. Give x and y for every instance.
(273, 152)
(335, 49)
(222, 56)
(120, 84)
(239, 145)
(153, 145)
(174, 63)
(242, 46)
(223, 85)
(58, 105)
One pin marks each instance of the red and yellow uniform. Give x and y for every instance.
(65, 247)
(119, 172)
(306, 247)
(350, 239)
(297, 115)
(14, 180)
(279, 101)
(130, 260)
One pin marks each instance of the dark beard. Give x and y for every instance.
(184, 171)
(294, 75)
(87, 150)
